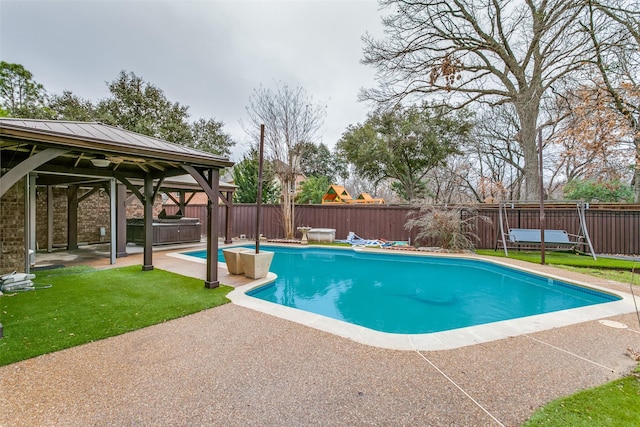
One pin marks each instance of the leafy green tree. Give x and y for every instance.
(404, 144)
(591, 190)
(207, 135)
(319, 161)
(312, 189)
(134, 105)
(71, 107)
(141, 107)
(245, 177)
(20, 95)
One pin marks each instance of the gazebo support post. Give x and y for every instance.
(212, 231)
(72, 217)
(228, 217)
(113, 221)
(210, 184)
(50, 208)
(121, 221)
(148, 223)
(181, 204)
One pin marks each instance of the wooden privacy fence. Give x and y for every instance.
(614, 229)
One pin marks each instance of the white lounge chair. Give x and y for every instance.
(355, 240)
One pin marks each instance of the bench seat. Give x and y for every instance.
(555, 237)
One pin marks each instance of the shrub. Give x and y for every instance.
(453, 228)
(591, 190)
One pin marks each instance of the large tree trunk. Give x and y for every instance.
(287, 212)
(528, 114)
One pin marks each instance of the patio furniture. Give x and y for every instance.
(553, 237)
(355, 240)
(560, 239)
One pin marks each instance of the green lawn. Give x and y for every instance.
(84, 305)
(615, 404)
(604, 268)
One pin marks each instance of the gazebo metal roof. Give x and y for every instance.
(129, 153)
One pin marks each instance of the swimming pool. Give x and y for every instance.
(408, 294)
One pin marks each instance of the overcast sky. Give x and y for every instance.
(208, 55)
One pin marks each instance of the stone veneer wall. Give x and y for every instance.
(12, 229)
(93, 213)
(59, 217)
(136, 210)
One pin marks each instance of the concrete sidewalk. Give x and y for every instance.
(235, 366)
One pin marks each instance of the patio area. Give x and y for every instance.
(235, 366)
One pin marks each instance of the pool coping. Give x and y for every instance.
(444, 340)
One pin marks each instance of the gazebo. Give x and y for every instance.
(51, 152)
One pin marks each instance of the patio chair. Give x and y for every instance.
(355, 240)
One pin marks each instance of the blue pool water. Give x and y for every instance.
(412, 294)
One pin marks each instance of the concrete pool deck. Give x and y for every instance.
(236, 366)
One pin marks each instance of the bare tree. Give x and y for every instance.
(497, 156)
(493, 51)
(291, 120)
(449, 184)
(355, 184)
(614, 30)
(589, 136)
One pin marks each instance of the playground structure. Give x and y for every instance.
(337, 194)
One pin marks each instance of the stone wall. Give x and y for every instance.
(59, 217)
(93, 213)
(12, 242)
(136, 210)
